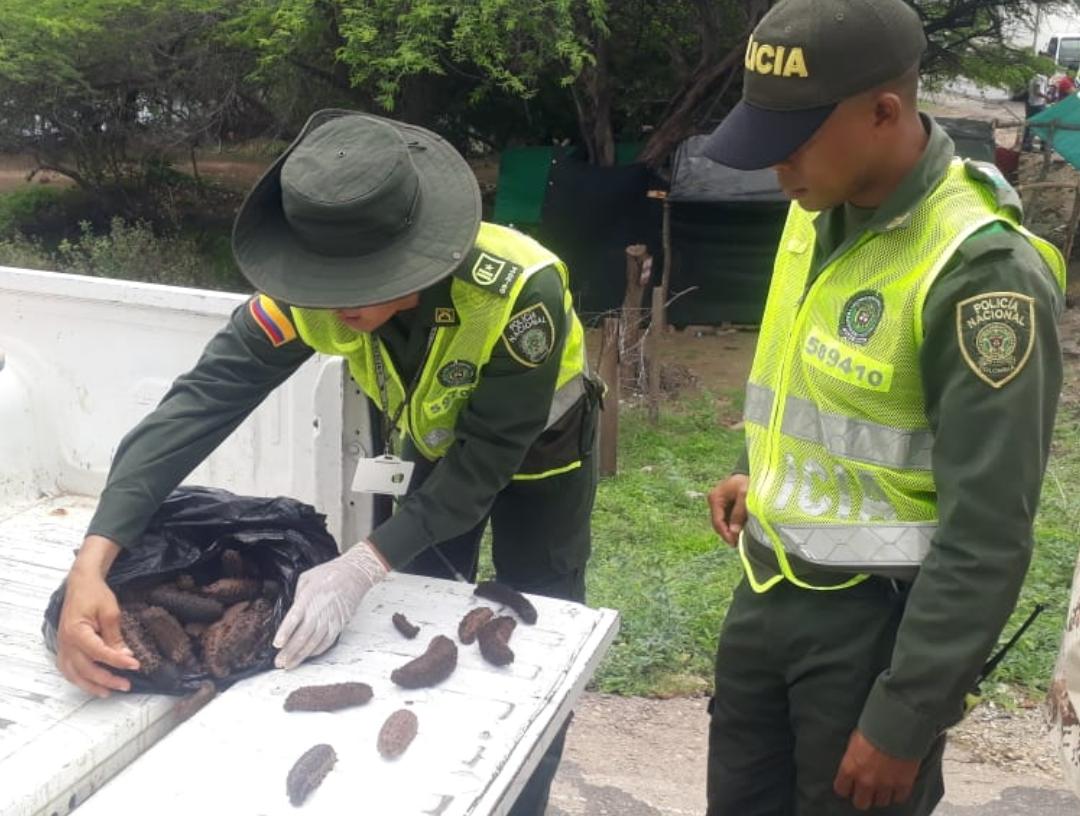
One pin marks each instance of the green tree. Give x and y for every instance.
(105, 91)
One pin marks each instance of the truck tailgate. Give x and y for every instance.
(481, 732)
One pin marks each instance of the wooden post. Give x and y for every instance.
(652, 356)
(609, 417)
(638, 272)
(1074, 221)
(1048, 153)
(665, 280)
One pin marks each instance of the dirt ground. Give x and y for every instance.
(640, 757)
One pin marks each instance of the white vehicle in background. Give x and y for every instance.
(1064, 49)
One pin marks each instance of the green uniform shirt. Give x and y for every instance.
(989, 455)
(502, 424)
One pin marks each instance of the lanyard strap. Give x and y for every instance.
(388, 422)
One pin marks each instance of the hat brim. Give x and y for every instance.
(443, 232)
(753, 138)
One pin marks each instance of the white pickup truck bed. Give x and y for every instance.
(481, 732)
(80, 361)
(57, 744)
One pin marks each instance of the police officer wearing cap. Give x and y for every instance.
(898, 418)
(365, 241)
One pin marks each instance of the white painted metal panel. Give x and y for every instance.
(57, 744)
(481, 732)
(86, 358)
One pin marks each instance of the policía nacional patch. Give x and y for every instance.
(996, 331)
(274, 323)
(530, 335)
(457, 373)
(861, 316)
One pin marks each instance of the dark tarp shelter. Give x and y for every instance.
(587, 215)
(974, 138)
(725, 225)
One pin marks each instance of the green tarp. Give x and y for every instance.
(1066, 142)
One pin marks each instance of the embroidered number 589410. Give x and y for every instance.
(849, 365)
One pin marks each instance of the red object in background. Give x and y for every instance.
(1065, 86)
(1007, 161)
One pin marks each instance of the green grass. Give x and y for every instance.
(655, 556)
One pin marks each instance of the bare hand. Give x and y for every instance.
(89, 631)
(727, 503)
(871, 778)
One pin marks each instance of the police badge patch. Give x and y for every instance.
(996, 331)
(457, 373)
(530, 335)
(861, 317)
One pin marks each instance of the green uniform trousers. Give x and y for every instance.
(793, 670)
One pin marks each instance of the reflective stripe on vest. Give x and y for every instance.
(843, 436)
(432, 412)
(837, 435)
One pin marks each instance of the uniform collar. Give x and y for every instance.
(436, 307)
(896, 211)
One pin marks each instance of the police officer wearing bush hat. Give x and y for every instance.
(898, 419)
(365, 241)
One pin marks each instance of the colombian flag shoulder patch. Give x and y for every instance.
(277, 327)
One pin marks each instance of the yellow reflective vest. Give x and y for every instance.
(837, 436)
(457, 353)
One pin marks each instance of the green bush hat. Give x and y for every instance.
(358, 210)
(803, 59)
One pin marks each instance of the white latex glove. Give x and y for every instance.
(326, 599)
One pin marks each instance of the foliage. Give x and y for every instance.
(25, 204)
(104, 91)
(24, 253)
(971, 40)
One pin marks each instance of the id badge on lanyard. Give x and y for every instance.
(386, 474)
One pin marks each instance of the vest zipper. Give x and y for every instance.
(786, 361)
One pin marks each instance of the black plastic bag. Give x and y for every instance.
(281, 536)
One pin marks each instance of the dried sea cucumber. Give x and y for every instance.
(431, 668)
(151, 664)
(397, 733)
(501, 593)
(403, 625)
(473, 621)
(235, 642)
(494, 640)
(233, 565)
(309, 771)
(172, 641)
(186, 606)
(141, 644)
(333, 697)
(229, 591)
